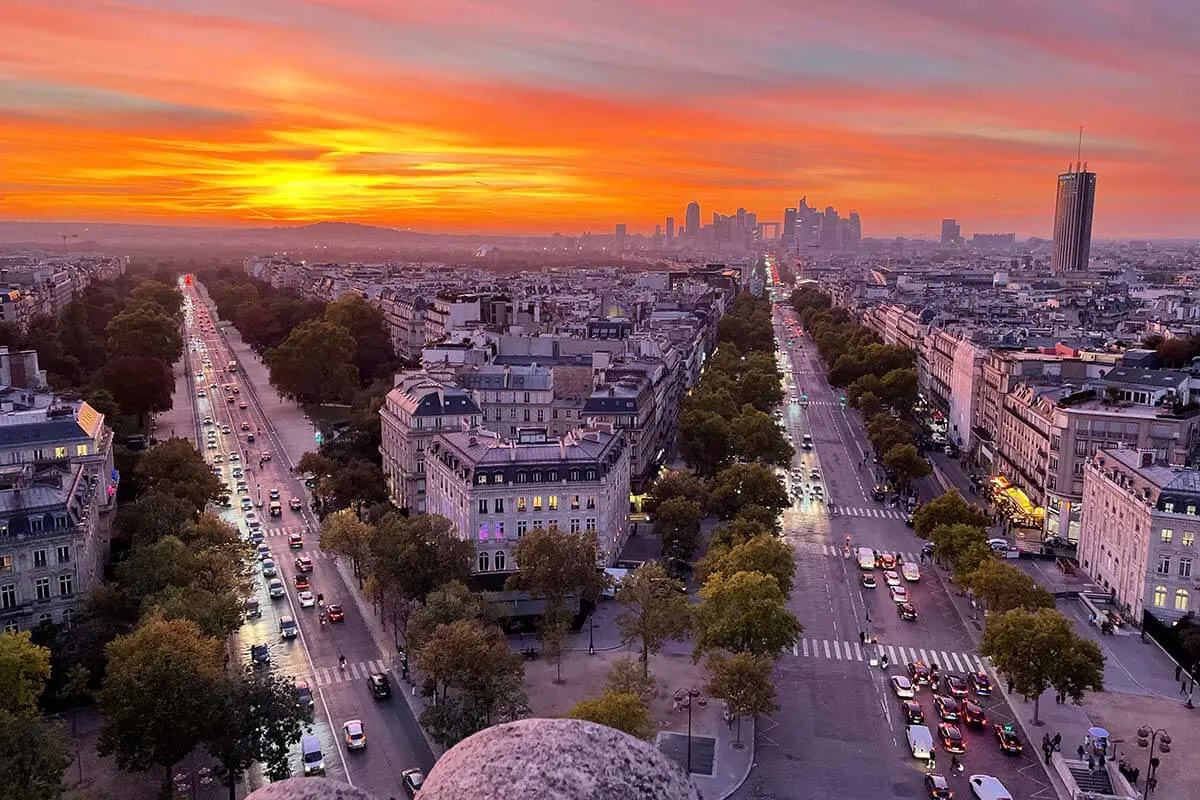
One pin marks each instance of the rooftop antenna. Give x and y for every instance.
(1079, 150)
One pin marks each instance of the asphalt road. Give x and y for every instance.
(839, 731)
(394, 740)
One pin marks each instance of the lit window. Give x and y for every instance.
(1167, 534)
(6, 563)
(60, 452)
(81, 449)
(1181, 600)
(574, 502)
(537, 503)
(481, 478)
(498, 477)
(484, 529)
(521, 504)
(552, 502)
(1189, 538)
(500, 561)
(1160, 597)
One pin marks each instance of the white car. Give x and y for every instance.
(276, 589)
(218, 459)
(201, 393)
(986, 787)
(234, 457)
(306, 599)
(356, 737)
(208, 421)
(899, 594)
(998, 544)
(910, 571)
(902, 687)
(891, 577)
(211, 445)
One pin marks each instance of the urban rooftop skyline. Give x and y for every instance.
(531, 116)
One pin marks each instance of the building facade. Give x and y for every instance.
(1073, 206)
(495, 490)
(1140, 524)
(418, 409)
(51, 548)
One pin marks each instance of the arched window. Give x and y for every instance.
(484, 562)
(500, 561)
(1160, 596)
(552, 476)
(591, 474)
(522, 477)
(44, 618)
(66, 618)
(537, 476)
(1181, 600)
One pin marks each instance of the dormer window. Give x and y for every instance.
(481, 478)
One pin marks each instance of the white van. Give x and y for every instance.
(310, 755)
(866, 558)
(985, 787)
(920, 741)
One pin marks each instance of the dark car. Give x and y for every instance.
(981, 683)
(918, 672)
(879, 492)
(937, 788)
(1009, 741)
(973, 715)
(908, 520)
(952, 738)
(955, 685)
(947, 708)
(260, 655)
(381, 687)
(907, 611)
(335, 613)
(304, 695)
(927, 549)
(913, 715)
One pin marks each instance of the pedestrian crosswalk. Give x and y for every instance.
(876, 513)
(284, 531)
(353, 672)
(834, 550)
(899, 655)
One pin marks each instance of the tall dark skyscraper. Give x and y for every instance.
(789, 226)
(691, 220)
(951, 232)
(1073, 208)
(670, 228)
(619, 235)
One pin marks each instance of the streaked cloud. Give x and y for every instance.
(567, 115)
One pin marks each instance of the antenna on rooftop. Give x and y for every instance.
(1079, 150)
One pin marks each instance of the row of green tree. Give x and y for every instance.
(739, 626)
(1028, 641)
(1176, 352)
(880, 381)
(113, 345)
(726, 417)
(316, 352)
(149, 646)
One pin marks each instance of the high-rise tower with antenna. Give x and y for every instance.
(1073, 207)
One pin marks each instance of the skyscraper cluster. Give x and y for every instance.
(804, 225)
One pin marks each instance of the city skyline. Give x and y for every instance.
(533, 118)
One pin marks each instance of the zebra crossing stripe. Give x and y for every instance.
(897, 654)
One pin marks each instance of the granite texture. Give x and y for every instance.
(556, 759)
(309, 789)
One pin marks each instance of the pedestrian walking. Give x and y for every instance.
(1079, 751)
(1010, 685)
(1091, 763)
(1047, 751)
(1178, 671)
(1056, 742)
(1183, 687)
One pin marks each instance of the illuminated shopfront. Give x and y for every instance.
(1016, 506)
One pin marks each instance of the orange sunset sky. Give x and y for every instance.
(571, 115)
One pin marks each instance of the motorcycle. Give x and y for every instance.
(883, 661)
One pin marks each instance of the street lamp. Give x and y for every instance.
(1151, 738)
(591, 635)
